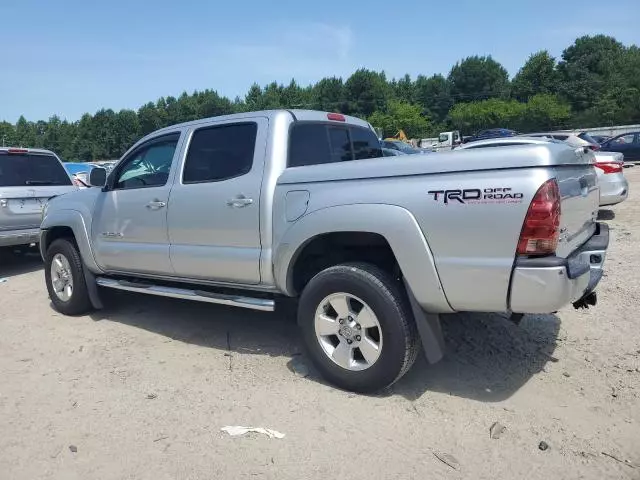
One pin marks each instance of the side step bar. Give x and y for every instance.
(263, 304)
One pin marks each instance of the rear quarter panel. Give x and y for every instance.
(473, 241)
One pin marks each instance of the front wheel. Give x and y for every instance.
(65, 279)
(358, 327)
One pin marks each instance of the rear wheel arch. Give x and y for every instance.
(389, 225)
(333, 248)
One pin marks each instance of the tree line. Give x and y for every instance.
(596, 82)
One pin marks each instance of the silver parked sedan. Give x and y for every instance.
(614, 187)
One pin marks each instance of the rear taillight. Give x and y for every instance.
(541, 227)
(609, 167)
(17, 151)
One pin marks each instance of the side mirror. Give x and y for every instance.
(98, 177)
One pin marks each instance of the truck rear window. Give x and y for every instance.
(18, 170)
(317, 143)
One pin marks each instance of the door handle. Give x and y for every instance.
(239, 202)
(156, 205)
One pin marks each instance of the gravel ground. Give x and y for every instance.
(141, 390)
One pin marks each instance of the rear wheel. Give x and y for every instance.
(65, 279)
(358, 327)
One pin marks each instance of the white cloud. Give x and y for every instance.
(305, 51)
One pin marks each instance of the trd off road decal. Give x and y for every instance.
(476, 195)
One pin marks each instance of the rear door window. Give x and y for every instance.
(318, 143)
(19, 170)
(220, 153)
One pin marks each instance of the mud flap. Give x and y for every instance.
(429, 328)
(92, 288)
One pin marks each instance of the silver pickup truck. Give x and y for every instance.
(249, 208)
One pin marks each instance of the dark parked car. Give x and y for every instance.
(492, 133)
(628, 144)
(401, 146)
(600, 138)
(390, 152)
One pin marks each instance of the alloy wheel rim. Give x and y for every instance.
(61, 278)
(348, 331)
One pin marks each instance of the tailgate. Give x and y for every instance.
(21, 208)
(580, 202)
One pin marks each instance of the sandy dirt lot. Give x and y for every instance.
(141, 390)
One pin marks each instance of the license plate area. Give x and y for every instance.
(25, 206)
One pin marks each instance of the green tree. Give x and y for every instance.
(83, 145)
(433, 94)
(210, 104)
(476, 78)
(403, 89)
(474, 116)
(25, 133)
(149, 118)
(329, 95)
(103, 135)
(620, 104)
(67, 135)
(537, 76)
(587, 69)
(254, 98)
(126, 130)
(367, 91)
(53, 135)
(272, 96)
(544, 112)
(401, 116)
(7, 134)
(293, 96)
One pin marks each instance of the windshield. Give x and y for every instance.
(75, 168)
(31, 169)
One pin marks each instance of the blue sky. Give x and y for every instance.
(67, 57)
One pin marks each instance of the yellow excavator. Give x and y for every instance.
(400, 135)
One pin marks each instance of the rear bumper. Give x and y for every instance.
(19, 237)
(613, 192)
(546, 284)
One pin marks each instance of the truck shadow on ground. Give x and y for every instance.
(606, 214)
(13, 264)
(488, 358)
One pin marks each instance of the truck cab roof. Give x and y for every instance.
(294, 114)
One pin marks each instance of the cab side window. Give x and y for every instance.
(220, 153)
(149, 165)
(313, 143)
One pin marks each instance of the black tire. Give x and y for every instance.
(387, 298)
(79, 302)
